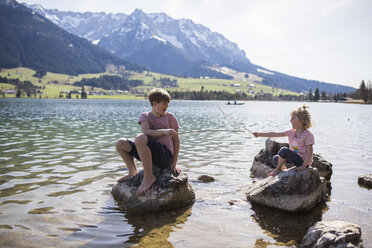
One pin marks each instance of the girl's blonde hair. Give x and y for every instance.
(303, 114)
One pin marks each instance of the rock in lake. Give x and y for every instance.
(262, 164)
(335, 234)
(169, 192)
(366, 181)
(290, 190)
(206, 179)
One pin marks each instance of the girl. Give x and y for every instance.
(301, 141)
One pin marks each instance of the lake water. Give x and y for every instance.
(58, 165)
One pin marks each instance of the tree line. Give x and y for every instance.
(23, 87)
(364, 92)
(108, 82)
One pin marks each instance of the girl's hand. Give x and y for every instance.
(256, 134)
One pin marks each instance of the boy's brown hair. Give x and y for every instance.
(159, 95)
(303, 114)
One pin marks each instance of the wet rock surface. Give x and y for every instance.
(170, 191)
(206, 179)
(365, 181)
(290, 190)
(335, 234)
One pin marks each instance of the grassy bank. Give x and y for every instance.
(53, 83)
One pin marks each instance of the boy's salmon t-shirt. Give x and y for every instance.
(298, 144)
(167, 121)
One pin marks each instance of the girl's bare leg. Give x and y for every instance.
(278, 169)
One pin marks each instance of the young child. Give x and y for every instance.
(158, 144)
(301, 141)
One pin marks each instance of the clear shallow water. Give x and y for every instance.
(58, 165)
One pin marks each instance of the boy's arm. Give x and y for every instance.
(270, 134)
(146, 130)
(176, 146)
(309, 154)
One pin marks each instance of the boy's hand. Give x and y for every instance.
(255, 134)
(171, 132)
(175, 169)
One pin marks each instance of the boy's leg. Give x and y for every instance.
(144, 153)
(123, 147)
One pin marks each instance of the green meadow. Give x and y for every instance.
(53, 83)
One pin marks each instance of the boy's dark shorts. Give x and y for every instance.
(162, 157)
(290, 156)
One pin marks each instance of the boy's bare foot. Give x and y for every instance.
(145, 185)
(124, 178)
(274, 172)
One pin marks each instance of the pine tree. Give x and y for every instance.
(311, 95)
(323, 95)
(363, 92)
(316, 95)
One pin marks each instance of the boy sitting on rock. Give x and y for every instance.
(158, 144)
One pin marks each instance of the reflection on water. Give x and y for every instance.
(153, 230)
(285, 227)
(58, 165)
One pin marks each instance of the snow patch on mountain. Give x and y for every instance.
(264, 71)
(160, 39)
(172, 39)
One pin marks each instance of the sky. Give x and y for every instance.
(325, 40)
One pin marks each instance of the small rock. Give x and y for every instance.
(336, 234)
(366, 181)
(206, 179)
(237, 202)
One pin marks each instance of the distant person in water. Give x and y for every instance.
(301, 141)
(158, 144)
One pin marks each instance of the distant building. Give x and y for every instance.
(344, 99)
(10, 91)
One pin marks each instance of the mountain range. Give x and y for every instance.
(170, 46)
(30, 40)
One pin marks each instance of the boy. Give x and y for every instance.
(158, 144)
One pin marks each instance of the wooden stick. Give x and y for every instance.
(210, 130)
(241, 125)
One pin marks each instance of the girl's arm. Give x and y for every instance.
(146, 130)
(270, 134)
(309, 154)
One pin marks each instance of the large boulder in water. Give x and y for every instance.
(337, 234)
(170, 191)
(262, 163)
(290, 190)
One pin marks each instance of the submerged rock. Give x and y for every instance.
(366, 181)
(262, 163)
(290, 190)
(206, 179)
(169, 192)
(333, 234)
